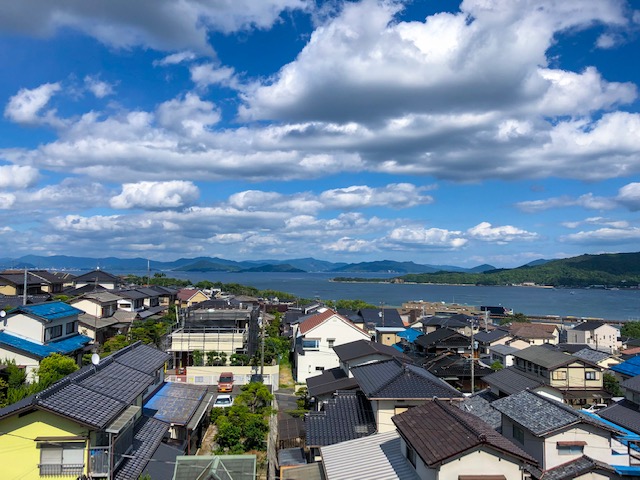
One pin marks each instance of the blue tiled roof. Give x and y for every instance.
(49, 310)
(630, 368)
(410, 334)
(65, 346)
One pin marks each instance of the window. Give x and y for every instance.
(61, 459)
(411, 455)
(518, 434)
(71, 327)
(52, 332)
(590, 375)
(331, 341)
(319, 369)
(570, 448)
(560, 375)
(311, 344)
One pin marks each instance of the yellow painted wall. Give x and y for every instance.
(19, 455)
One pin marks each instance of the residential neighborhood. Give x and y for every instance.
(346, 393)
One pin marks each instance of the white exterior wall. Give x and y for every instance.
(604, 338)
(333, 328)
(25, 326)
(598, 445)
(31, 364)
(96, 309)
(207, 342)
(482, 461)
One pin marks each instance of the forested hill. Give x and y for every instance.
(620, 270)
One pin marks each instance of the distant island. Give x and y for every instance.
(617, 270)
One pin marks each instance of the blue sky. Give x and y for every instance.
(486, 131)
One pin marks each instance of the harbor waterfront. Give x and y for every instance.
(620, 305)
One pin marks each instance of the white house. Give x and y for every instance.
(30, 333)
(598, 335)
(315, 336)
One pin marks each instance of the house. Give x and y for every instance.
(553, 433)
(487, 339)
(627, 369)
(314, 339)
(455, 321)
(503, 354)
(322, 387)
(582, 468)
(525, 334)
(393, 387)
(600, 358)
(96, 278)
(443, 340)
(626, 412)
(30, 333)
(38, 282)
(166, 295)
(89, 423)
(376, 456)
(579, 379)
(131, 300)
(459, 446)
(101, 304)
(383, 324)
(510, 380)
(232, 331)
(346, 416)
(463, 373)
(597, 335)
(187, 297)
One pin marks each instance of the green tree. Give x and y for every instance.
(496, 366)
(256, 397)
(54, 367)
(239, 359)
(229, 436)
(198, 358)
(612, 385)
(630, 329)
(254, 431)
(114, 344)
(16, 376)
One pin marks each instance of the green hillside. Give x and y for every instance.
(621, 270)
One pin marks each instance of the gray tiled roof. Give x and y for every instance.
(479, 404)
(632, 384)
(377, 456)
(393, 379)
(346, 416)
(573, 469)
(491, 336)
(623, 413)
(539, 414)
(590, 355)
(452, 432)
(504, 349)
(147, 437)
(95, 395)
(544, 357)
(391, 317)
(330, 381)
(589, 325)
(362, 348)
(440, 335)
(509, 380)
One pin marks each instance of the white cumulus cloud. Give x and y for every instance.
(17, 176)
(435, 238)
(156, 195)
(485, 232)
(27, 105)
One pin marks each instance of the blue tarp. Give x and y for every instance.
(631, 367)
(48, 310)
(64, 346)
(410, 334)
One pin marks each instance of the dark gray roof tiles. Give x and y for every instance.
(147, 437)
(541, 415)
(589, 325)
(623, 413)
(84, 405)
(144, 358)
(510, 380)
(393, 379)
(441, 335)
(479, 404)
(363, 348)
(119, 381)
(573, 469)
(632, 384)
(545, 357)
(391, 317)
(330, 381)
(345, 417)
(590, 355)
(491, 336)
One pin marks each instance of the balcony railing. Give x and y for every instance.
(99, 461)
(57, 470)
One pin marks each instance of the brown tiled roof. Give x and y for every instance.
(532, 330)
(187, 293)
(452, 431)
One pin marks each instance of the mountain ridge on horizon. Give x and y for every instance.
(307, 264)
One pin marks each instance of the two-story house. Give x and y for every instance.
(597, 335)
(97, 278)
(30, 333)
(88, 424)
(393, 387)
(578, 381)
(554, 433)
(314, 339)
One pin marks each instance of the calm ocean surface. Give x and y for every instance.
(607, 304)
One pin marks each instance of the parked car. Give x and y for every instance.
(223, 401)
(225, 382)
